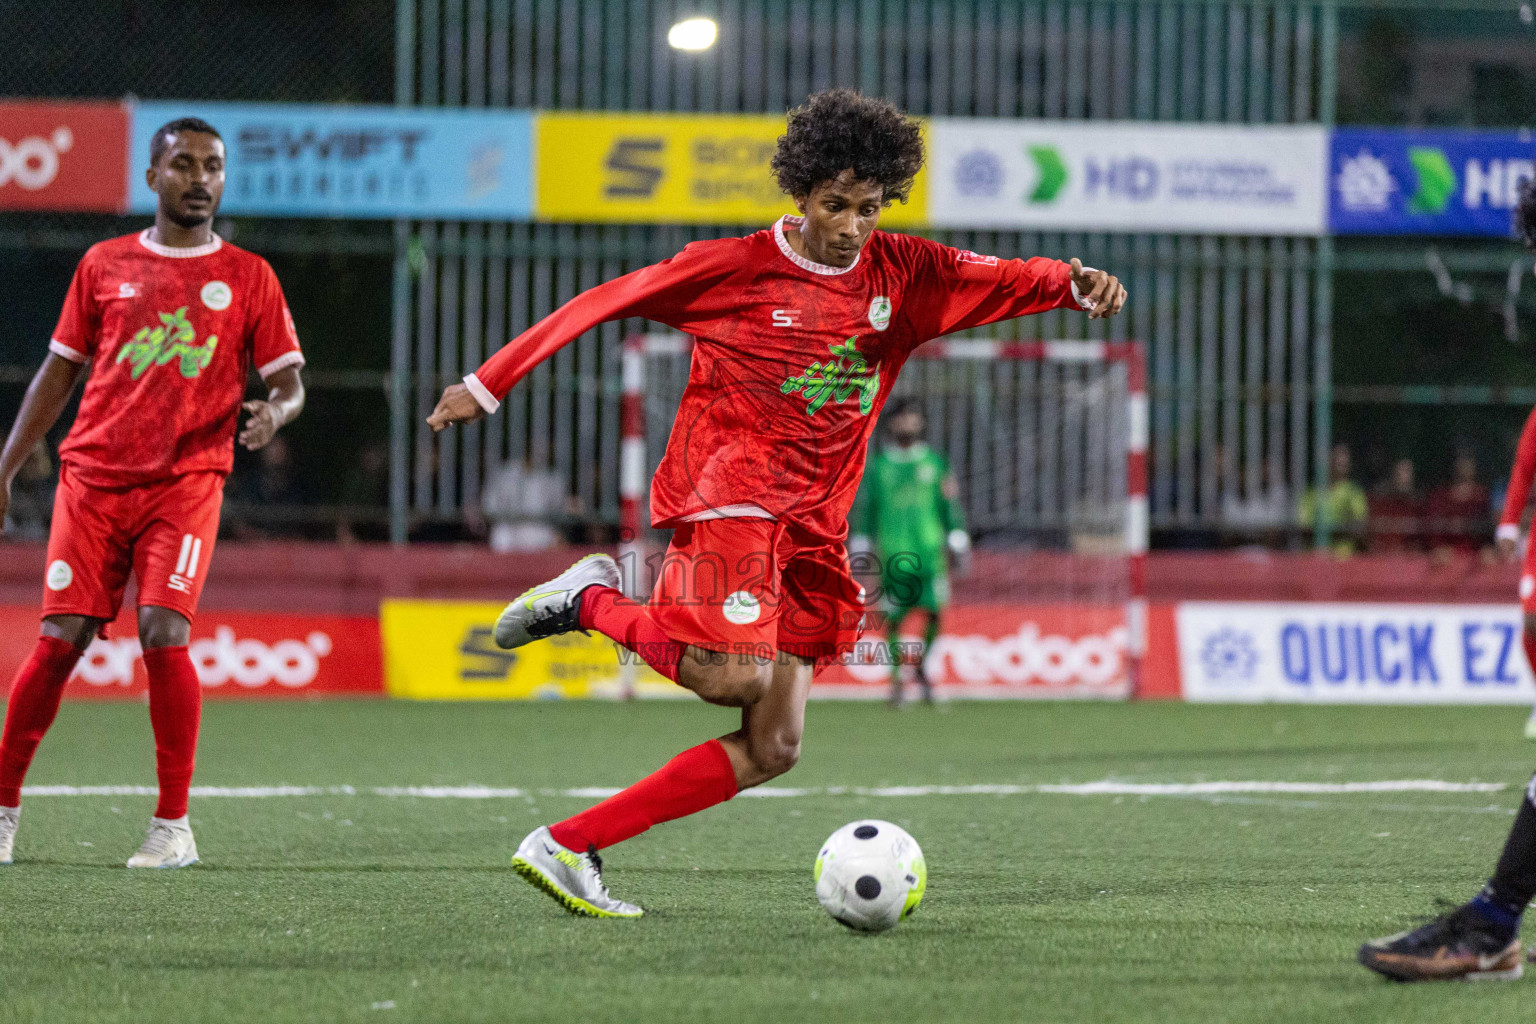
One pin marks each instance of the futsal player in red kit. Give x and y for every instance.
(171, 322)
(801, 331)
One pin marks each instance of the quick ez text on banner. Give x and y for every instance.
(1352, 653)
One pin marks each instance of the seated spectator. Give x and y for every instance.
(524, 507)
(365, 497)
(1262, 517)
(1457, 514)
(1343, 506)
(262, 498)
(1397, 511)
(31, 497)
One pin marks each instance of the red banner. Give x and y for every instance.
(1003, 651)
(237, 655)
(63, 156)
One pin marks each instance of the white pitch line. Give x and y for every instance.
(1103, 787)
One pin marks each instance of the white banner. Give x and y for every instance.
(1353, 653)
(1128, 176)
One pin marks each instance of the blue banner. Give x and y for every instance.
(293, 160)
(1386, 181)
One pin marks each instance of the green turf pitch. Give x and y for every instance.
(1039, 907)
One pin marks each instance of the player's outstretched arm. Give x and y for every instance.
(285, 400)
(1103, 294)
(40, 410)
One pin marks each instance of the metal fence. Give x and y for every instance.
(1237, 328)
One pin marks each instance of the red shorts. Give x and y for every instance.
(757, 586)
(162, 532)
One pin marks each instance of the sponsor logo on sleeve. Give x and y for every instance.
(60, 575)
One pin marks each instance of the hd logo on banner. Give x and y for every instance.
(1352, 653)
(292, 160)
(1127, 176)
(669, 169)
(1386, 181)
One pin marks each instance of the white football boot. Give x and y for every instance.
(553, 607)
(573, 880)
(169, 844)
(10, 818)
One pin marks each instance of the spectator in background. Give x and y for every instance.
(364, 497)
(524, 507)
(1343, 507)
(31, 505)
(260, 496)
(1397, 511)
(1457, 514)
(1263, 517)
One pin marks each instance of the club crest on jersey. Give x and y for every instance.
(837, 379)
(174, 340)
(880, 313)
(217, 295)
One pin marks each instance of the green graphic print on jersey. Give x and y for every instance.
(905, 512)
(836, 379)
(173, 339)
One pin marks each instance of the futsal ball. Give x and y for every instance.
(870, 875)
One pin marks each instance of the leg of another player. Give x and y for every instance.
(895, 651)
(1528, 638)
(1481, 938)
(175, 712)
(930, 634)
(31, 707)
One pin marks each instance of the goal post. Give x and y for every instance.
(1048, 441)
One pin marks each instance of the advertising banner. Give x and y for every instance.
(1392, 181)
(295, 160)
(669, 169)
(1003, 652)
(236, 654)
(1353, 653)
(443, 650)
(62, 156)
(1127, 176)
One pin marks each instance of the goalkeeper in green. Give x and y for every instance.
(909, 510)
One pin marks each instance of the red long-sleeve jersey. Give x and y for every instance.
(1520, 476)
(792, 363)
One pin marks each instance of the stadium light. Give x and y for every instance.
(693, 34)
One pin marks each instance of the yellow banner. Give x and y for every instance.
(669, 169)
(443, 650)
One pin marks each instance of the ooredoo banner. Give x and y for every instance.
(1002, 651)
(1352, 653)
(1127, 176)
(312, 160)
(62, 156)
(236, 654)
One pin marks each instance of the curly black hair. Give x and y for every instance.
(1525, 214)
(841, 129)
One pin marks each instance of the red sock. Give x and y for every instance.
(693, 780)
(175, 708)
(627, 624)
(30, 709)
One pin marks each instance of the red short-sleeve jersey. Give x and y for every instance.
(171, 335)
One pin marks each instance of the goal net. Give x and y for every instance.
(1047, 442)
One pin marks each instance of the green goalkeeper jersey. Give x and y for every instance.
(905, 510)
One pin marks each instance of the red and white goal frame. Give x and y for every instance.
(634, 471)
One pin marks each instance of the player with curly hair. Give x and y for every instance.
(800, 330)
(1481, 938)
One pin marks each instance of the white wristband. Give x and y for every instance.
(482, 394)
(1507, 531)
